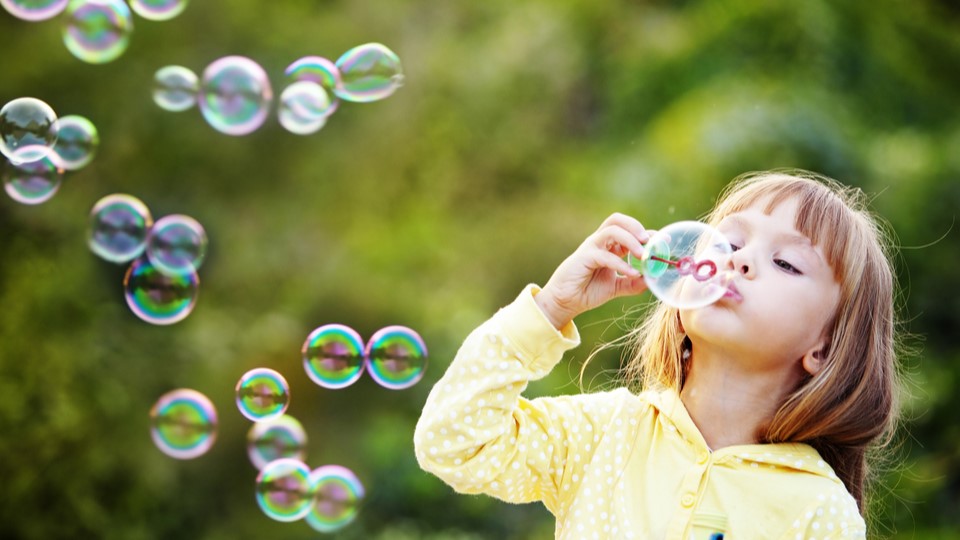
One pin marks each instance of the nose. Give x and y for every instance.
(741, 262)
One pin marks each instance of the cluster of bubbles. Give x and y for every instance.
(95, 31)
(234, 93)
(161, 283)
(184, 421)
(334, 356)
(686, 264)
(41, 148)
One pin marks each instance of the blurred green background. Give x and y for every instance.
(521, 125)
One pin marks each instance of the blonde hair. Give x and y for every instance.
(851, 404)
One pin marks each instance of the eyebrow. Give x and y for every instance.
(789, 238)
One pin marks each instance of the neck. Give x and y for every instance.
(730, 404)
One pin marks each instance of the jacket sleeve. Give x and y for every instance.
(479, 435)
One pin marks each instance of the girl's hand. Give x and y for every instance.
(589, 277)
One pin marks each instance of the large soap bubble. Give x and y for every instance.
(686, 264)
(235, 95)
(369, 72)
(97, 31)
(28, 129)
(34, 10)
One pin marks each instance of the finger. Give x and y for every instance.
(629, 223)
(606, 259)
(630, 286)
(618, 241)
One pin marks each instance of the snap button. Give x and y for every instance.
(687, 500)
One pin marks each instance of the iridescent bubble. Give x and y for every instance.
(685, 264)
(183, 423)
(119, 225)
(304, 108)
(28, 130)
(158, 10)
(283, 490)
(34, 10)
(370, 72)
(281, 437)
(77, 142)
(337, 494)
(159, 298)
(177, 244)
(34, 182)
(262, 394)
(235, 95)
(333, 356)
(97, 31)
(175, 88)
(396, 357)
(317, 69)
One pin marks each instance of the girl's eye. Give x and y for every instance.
(735, 247)
(786, 266)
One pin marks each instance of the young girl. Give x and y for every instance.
(755, 413)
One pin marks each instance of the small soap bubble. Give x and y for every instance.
(283, 490)
(119, 225)
(333, 356)
(34, 10)
(235, 95)
(396, 357)
(304, 108)
(262, 394)
(281, 437)
(159, 298)
(337, 494)
(77, 142)
(158, 10)
(685, 264)
(97, 31)
(35, 182)
(28, 130)
(183, 424)
(176, 244)
(317, 69)
(175, 88)
(369, 72)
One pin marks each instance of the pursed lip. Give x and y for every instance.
(733, 292)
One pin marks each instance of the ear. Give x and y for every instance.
(814, 360)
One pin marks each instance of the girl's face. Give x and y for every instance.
(778, 307)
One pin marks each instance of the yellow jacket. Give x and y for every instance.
(612, 464)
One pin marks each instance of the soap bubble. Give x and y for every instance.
(97, 31)
(685, 264)
(35, 182)
(183, 424)
(158, 10)
(176, 244)
(396, 357)
(262, 394)
(369, 72)
(317, 69)
(304, 107)
(119, 225)
(159, 298)
(175, 88)
(235, 95)
(333, 356)
(275, 438)
(337, 494)
(77, 142)
(34, 10)
(283, 490)
(28, 130)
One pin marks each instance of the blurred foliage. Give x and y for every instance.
(520, 126)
